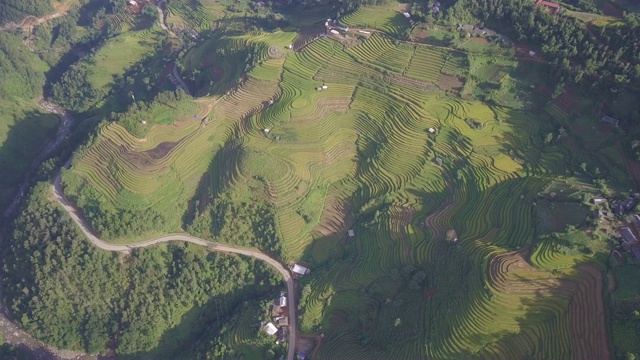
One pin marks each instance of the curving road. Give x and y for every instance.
(74, 213)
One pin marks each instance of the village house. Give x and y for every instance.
(351, 233)
(270, 329)
(300, 270)
(598, 201)
(610, 120)
(628, 238)
(553, 7)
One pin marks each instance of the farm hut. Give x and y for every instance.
(266, 131)
(270, 329)
(351, 233)
(324, 87)
(281, 321)
(299, 269)
(611, 120)
(618, 210)
(532, 53)
(335, 32)
(598, 201)
(406, 14)
(627, 235)
(282, 301)
(144, 122)
(133, 2)
(290, 46)
(432, 131)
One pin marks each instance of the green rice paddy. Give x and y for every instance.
(359, 155)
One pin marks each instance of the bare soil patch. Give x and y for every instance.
(413, 83)
(161, 150)
(479, 40)
(450, 82)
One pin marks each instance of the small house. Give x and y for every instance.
(598, 201)
(351, 233)
(266, 131)
(281, 321)
(335, 32)
(532, 53)
(628, 237)
(553, 7)
(133, 2)
(300, 270)
(324, 87)
(282, 301)
(406, 14)
(270, 329)
(611, 120)
(636, 220)
(432, 131)
(629, 203)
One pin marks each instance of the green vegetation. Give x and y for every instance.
(462, 164)
(23, 127)
(158, 301)
(17, 10)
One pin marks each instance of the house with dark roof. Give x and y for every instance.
(596, 214)
(628, 238)
(618, 210)
(635, 250)
(610, 120)
(629, 203)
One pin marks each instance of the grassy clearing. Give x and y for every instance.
(120, 53)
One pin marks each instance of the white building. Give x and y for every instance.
(270, 329)
(532, 53)
(324, 87)
(432, 131)
(351, 233)
(282, 302)
(335, 32)
(301, 270)
(406, 14)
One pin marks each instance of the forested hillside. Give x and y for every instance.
(609, 59)
(131, 304)
(16, 10)
(23, 128)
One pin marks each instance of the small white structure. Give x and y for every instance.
(406, 14)
(301, 270)
(335, 32)
(351, 233)
(319, 88)
(532, 53)
(133, 2)
(364, 32)
(282, 302)
(266, 131)
(270, 328)
(144, 122)
(432, 131)
(290, 46)
(324, 87)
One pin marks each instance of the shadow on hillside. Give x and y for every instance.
(222, 170)
(25, 139)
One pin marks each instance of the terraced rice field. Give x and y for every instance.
(381, 18)
(439, 265)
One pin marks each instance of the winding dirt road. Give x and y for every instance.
(75, 215)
